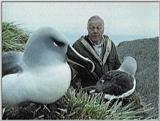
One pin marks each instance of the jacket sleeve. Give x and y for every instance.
(117, 62)
(70, 55)
(76, 80)
(76, 56)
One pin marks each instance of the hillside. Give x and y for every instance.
(145, 51)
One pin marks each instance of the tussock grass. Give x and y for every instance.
(94, 107)
(13, 37)
(76, 105)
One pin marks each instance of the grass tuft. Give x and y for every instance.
(13, 37)
(76, 105)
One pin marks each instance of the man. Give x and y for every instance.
(99, 49)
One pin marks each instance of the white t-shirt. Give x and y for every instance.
(99, 49)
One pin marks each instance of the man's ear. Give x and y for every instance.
(103, 29)
(88, 27)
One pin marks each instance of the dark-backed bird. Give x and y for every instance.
(119, 83)
(41, 73)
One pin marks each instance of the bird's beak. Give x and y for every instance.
(76, 58)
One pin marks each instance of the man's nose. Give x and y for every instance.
(95, 30)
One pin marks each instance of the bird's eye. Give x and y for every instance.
(59, 44)
(55, 44)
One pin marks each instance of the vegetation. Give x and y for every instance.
(76, 105)
(13, 37)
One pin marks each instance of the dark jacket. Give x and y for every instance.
(110, 60)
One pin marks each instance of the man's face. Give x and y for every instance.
(95, 30)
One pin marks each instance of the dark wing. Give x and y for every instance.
(11, 62)
(116, 83)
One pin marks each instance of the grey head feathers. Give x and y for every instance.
(45, 46)
(129, 65)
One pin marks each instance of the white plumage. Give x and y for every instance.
(45, 75)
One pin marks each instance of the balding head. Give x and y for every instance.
(95, 29)
(95, 18)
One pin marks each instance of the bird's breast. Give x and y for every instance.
(50, 83)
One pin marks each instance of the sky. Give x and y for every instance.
(124, 21)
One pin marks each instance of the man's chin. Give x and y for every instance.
(96, 38)
(96, 41)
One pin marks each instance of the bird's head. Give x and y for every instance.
(45, 46)
(129, 65)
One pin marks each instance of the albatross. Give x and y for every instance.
(119, 83)
(41, 73)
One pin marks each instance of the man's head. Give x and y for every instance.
(95, 29)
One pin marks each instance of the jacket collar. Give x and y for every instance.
(89, 46)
